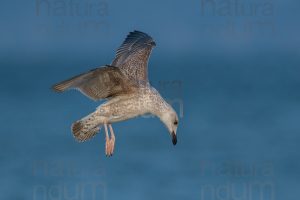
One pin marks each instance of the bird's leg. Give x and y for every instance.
(112, 139)
(107, 141)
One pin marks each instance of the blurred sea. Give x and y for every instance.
(239, 128)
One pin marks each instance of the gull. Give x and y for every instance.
(125, 87)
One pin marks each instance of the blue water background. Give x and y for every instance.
(239, 91)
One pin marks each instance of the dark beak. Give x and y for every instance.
(174, 138)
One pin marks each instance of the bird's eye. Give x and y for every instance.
(176, 122)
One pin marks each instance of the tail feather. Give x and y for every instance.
(83, 134)
(85, 128)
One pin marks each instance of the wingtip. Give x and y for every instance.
(138, 33)
(64, 85)
(57, 88)
(141, 35)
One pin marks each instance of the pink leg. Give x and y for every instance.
(107, 141)
(112, 139)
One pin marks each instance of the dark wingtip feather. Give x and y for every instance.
(64, 85)
(139, 36)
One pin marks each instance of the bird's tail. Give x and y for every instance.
(86, 128)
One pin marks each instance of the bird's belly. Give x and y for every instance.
(124, 109)
(122, 117)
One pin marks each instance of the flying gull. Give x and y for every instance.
(125, 87)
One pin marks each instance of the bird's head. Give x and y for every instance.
(170, 119)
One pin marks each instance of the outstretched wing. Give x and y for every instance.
(133, 55)
(100, 83)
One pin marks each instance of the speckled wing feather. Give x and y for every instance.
(100, 83)
(133, 55)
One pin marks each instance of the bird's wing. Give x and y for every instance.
(100, 83)
(133, 55)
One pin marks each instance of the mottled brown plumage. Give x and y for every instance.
(127, 90)
(99, 83)
(133, 55)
